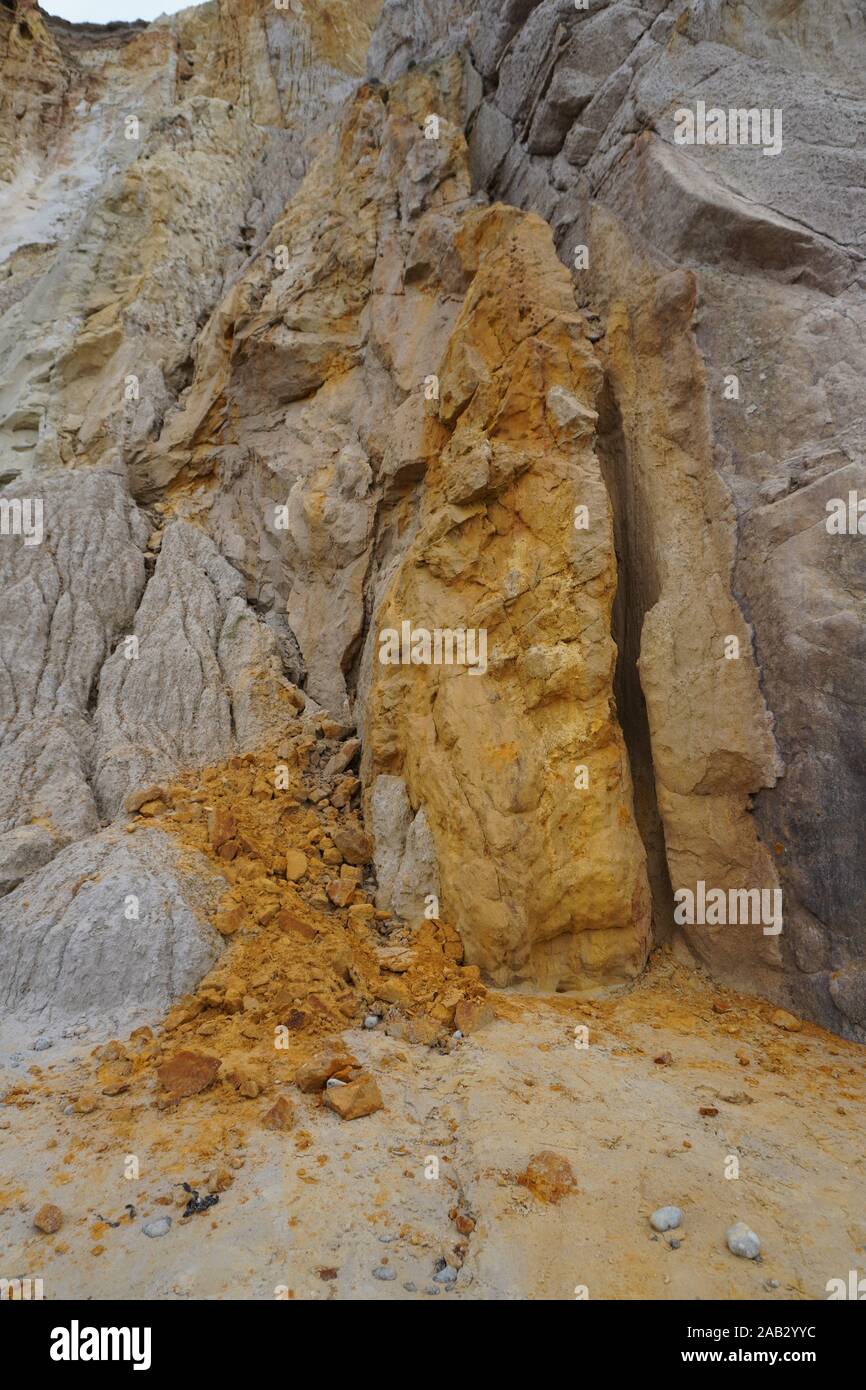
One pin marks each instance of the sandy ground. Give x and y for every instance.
(311, 1213)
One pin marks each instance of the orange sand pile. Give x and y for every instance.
(303, 959)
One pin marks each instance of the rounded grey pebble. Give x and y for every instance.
(675, 1244)
(160, 1227)
(410, 1287)
(372, 1021)
(666, 1218)
(42, 1044)
(384, 1273)
(457, 1035)
(332, 1082)
(431, 1288)
(445, 1276)
(743, 1242)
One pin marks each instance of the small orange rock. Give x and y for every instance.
(548, 1176)
(227, 923)
(187, 1073)
(355, 1099)
(296, 865)
(221, 826)
(220, 1180)
(340, 891)
(48, 1219)
(472, 1014)
(353, 844)
(281, 1115)
(782, 1019)
(312, 1074)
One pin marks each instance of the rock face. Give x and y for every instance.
(466, 406)
(545, 878)
(708, 262)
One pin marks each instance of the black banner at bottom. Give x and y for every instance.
(213, 1337)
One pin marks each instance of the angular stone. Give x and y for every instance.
(312, 1074)
(353, 844)
(355, 1099)
(49, 1219)
(296, 865)
(187, 1073)
(281, 1115)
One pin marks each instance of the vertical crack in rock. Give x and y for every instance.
(637, 591)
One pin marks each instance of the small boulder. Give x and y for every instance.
(48, 1219)
(355, 1099)
(355, 847)
(221, 827)
(187, 1073)
(312, 1074)
(281, 1115)
(666, 1219)
(296, 865)
(548, 1176)
(782, 1019)
(743, 1242)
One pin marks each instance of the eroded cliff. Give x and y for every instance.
(415, 566)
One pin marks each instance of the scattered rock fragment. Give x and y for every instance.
(666, 1218)
(548, 1176)
(296, 865)
(743, 1242)
(221, 827)
(340, 891)
(48, 1218)
(312, 1074)
(355, 847)
(187, 1073)
(281, 1115)
(136, 800)
(384, 1273)
(355, 1099)
(789, 1022)
(160, 1227)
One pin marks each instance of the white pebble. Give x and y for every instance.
(160, 1227)
(666, 1219)
(743, 1242)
